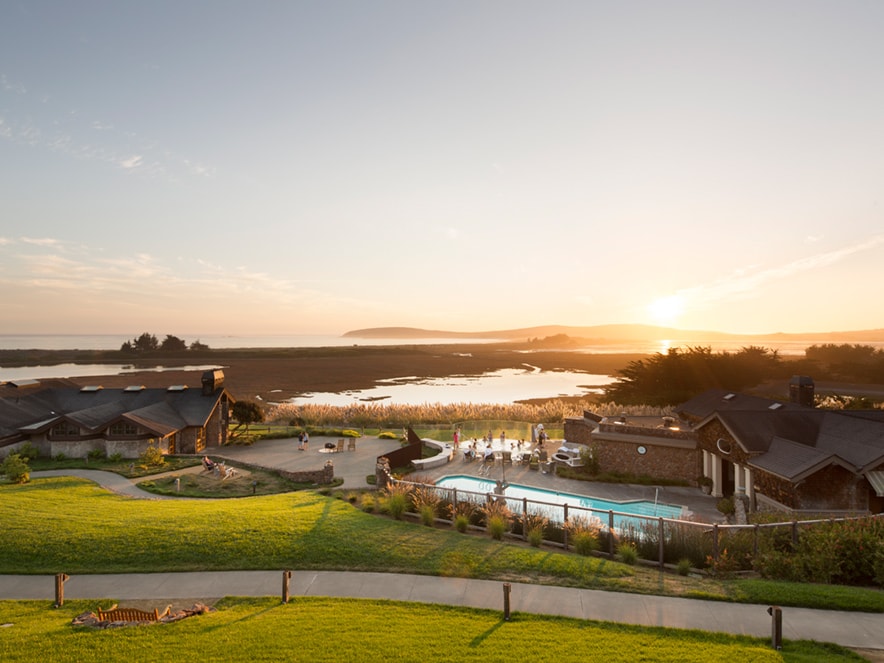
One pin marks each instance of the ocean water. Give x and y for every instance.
(219, 341)
(226, 341)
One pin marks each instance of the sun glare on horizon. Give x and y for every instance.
(665, 311)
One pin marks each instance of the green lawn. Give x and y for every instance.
(70, 525)
(342, 630)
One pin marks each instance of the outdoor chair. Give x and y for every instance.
(340, 447)
(351, 444)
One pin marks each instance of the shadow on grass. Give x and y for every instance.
(480, 639)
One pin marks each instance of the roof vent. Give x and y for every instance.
(91, 388)
(729, 397)
(774, 406)
(23, 383)
(177, 387)
(134, 388)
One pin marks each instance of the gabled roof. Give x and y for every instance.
(754, 429)
(25, 411)
(721, 400)
(792, 460)
(791, 440)
(160, 418)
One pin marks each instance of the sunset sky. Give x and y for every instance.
(314, 167)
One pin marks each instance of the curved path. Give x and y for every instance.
(857, 630)
(850, 629)
(110, 480)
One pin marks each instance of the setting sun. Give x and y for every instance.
(666, 310)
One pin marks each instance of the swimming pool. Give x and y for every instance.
(515, 493)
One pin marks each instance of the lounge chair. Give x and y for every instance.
(340, 447)
(351, 444)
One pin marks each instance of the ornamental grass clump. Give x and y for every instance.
(583, 534)
(627, 553)
(462, 514)
(426, 502)
(397, 499)
(497, 518)
(533, 527)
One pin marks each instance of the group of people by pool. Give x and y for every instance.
(516, 450)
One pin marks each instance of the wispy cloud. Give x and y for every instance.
(40, 241)
(132, 162)
(10, 86)
(67, 132)
(747, 281)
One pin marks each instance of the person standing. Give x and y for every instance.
(301, 441)
(502, 438)
(306, 440)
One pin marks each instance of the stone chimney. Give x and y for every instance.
(801, 390)
(212, 380)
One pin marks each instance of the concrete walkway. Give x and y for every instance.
(856, 630)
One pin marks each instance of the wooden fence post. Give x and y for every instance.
(60, 580)
(506, 601)
(661, 546)
(286, 577)
(611, 532)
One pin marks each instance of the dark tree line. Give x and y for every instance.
(148, 343)
(849, 362)
(678, 375)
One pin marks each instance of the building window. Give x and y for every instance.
(64, 429)
(123, 428)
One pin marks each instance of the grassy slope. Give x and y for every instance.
(323, 629)
(71, 525)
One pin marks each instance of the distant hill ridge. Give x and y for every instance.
(619, 333)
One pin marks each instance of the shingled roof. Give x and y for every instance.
(159, 410)
(790, 440)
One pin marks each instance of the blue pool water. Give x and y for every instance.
(598, 507)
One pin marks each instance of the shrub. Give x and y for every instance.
(533, 526)
(60, 457)
(589, 457)
(368, 504)
(95, 454)
(583, 535)
(16, 468)
(462, 515)
(461, 522)
(388, 435)
(683, 567)
(724, 567)
(879, 564)
(397, 498)
(152, 456)
(28, 451)
(726, 506)
(115, 457)
(627, 553)
(426, 501)
(497, 518)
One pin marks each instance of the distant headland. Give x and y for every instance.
(613, 334)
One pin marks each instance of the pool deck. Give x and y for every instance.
(354, 466)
